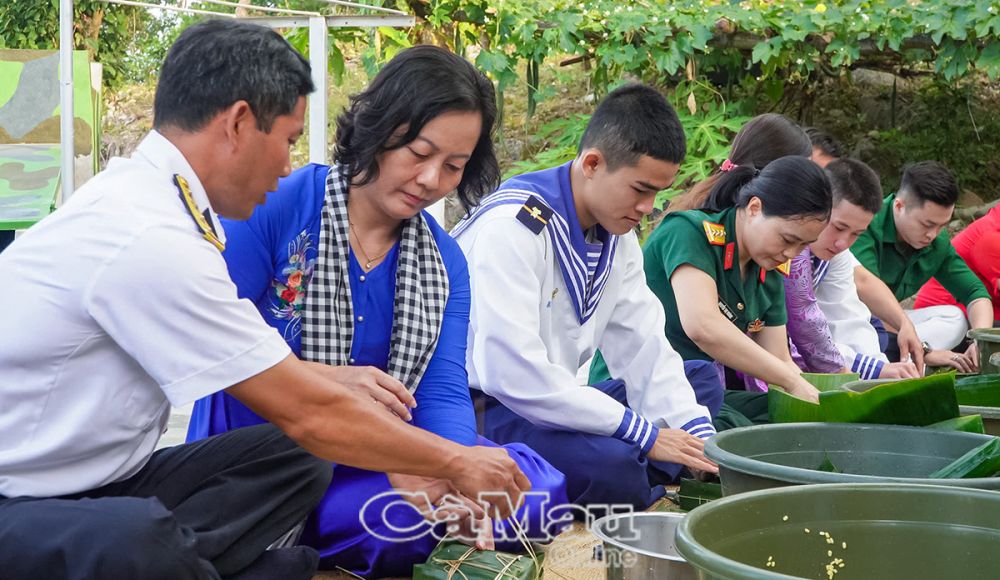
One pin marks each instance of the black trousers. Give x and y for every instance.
(6, 237)
(204, 510)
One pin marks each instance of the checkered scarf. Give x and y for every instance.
(418, 308)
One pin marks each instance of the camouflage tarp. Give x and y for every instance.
(29, 132)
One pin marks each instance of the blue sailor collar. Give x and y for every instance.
(159, 152)
(546, 199)
(820, 267)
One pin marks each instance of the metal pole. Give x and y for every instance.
(317, 101)
(66, 98)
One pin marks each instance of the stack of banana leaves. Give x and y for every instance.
(929, 401)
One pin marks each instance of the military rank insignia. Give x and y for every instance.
(730, 252)
(785, 268)
(534, 214)
(203, 221)
(716, 233)
(756, 326)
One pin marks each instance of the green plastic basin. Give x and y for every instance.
(767, 456)
(891, 531)
(988, 344)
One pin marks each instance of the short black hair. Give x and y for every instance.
(790, 187)
(855, 182)
(928, 181)
(632, 121)
(218, 62)
(417, 85)
(824, 142)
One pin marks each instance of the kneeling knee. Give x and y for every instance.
(144, 541)
(620, 478)
(316, 474)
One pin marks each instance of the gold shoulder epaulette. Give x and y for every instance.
(207, 230)
(716, 233)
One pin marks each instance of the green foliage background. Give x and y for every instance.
(719, 61)
(106, 31)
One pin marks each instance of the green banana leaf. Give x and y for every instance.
(452, 560)
(983, 461)
(829, 381)
(828, 465)
(979, 390)
(785, 408)
(915, 402)
(967, 423)
(693, 493)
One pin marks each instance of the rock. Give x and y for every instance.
(864, 149)
(453, 211)
(873, 78)
(968, 198)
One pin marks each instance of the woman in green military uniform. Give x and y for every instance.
(717, 270)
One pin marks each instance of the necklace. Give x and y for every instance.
(369, 260)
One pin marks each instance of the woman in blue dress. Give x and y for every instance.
(344, 262)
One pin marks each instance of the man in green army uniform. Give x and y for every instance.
(906, 245)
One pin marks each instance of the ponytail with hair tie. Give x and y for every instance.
(788, 186)
(726, 191)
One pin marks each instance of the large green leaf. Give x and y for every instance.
(966, 423)
(785, 408)
(983, 461)
(915, 402)
(829, 381)
(979, 391)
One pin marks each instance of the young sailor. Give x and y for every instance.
(345, 263)
(131, 310)
(828, 323)
(714, 269)
(557, 273)
(906, 246)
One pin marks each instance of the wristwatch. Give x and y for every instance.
(926, 346)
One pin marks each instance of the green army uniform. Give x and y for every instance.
(707, 242)
(905, 269)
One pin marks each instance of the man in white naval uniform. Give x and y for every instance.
(857, 197)
(557, 274)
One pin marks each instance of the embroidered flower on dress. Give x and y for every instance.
(289, 295)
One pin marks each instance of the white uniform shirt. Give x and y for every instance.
(526, 342)
(115, 307)
(848, 317)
